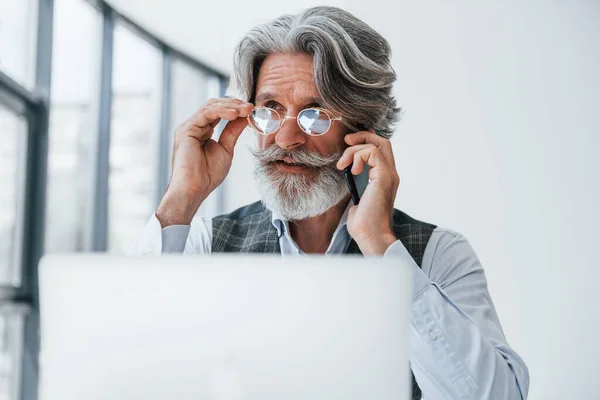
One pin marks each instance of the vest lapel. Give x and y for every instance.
(399, 230)
(271, 240)
(353, 248)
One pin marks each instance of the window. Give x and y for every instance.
(78, 43)
(13, 136)
(17, 40)
(134, 137)
(71, 147)
(11, 347)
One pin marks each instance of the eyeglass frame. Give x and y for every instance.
(329, 114)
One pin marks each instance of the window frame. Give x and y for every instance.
(34, 106)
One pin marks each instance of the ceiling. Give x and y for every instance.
(207, 30)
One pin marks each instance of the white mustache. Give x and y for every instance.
(275, 153)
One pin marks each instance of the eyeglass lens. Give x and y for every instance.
(311, 121)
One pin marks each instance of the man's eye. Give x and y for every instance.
(271, 104)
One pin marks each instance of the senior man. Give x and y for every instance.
(317, 89)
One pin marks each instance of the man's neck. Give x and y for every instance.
(313, 235)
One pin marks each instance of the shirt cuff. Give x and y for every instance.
(174, 238)
(420, 280)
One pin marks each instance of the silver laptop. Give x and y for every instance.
(224, 328)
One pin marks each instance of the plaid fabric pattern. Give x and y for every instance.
(249, 230)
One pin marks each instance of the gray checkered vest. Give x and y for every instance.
(249, 230)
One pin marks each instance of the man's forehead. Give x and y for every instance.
(287, 76)
(279, 94)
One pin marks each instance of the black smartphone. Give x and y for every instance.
(356, 183)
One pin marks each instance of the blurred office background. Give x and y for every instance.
(499, 141)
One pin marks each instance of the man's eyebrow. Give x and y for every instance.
(264, 96)
(268, 95)
(314, 100)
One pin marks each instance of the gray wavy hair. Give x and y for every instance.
(352, 69)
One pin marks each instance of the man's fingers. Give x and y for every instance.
(237, 104)
(363, 137)
(213, 114)
(380, 166)
(243, 109)
(361, 154)
(370, 137)
(209, 116)
(371, 156)
(205, 115)
(348, 156)
(231, 133)
(227, 102)
(358, 165)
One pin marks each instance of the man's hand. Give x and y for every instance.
(200, 163)
(370, 222)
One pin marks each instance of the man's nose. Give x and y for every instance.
(290, 135)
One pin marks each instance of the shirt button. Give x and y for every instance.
(432, 335)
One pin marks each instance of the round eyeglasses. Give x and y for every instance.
(312, 121)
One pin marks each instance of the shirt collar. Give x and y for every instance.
(282, 225)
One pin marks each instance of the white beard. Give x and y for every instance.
(295, 196)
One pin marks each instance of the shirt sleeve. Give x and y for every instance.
(174, 238)
(458, 348)
(195, 238)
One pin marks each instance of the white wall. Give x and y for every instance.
(500, 142)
